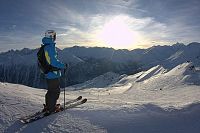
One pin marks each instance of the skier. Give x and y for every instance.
(51, 67)
(52, 72)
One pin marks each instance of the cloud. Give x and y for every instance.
(83, 26)
(78, 22)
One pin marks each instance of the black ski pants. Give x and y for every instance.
(52, 95)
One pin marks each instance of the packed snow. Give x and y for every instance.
(155, 101)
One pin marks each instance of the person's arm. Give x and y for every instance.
(51, 57)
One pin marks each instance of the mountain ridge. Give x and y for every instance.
(87, 63)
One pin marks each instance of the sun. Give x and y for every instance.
(117, 33)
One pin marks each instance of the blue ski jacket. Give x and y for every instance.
(51, 57)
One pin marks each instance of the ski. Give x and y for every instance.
(40, 112)
(75, 104)
(40, 116)
(74, 100)
(67, 104)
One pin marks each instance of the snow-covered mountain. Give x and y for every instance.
(190, 53)
(170, 56)
(153, 55)
(157, 54)
(87, 62)
(29, 57)
(25, 56)
(71, 55)
(156, 100)
(156, 78)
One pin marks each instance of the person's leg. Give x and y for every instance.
(52, 94)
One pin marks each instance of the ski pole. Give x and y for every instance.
(65, 77)
(64, 86)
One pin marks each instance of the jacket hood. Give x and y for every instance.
(46, 40)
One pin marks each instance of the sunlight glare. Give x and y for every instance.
(117, 33)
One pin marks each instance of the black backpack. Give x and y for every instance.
(44, 66)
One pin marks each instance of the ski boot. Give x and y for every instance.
(45, 108)
(58, 108)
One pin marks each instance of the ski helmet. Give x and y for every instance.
(50, 34)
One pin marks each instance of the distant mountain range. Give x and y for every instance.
(20, 66)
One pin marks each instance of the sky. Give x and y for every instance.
(121, 24)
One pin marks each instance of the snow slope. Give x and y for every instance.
(18, 100)
(177, 87)
(101, 81)
(153, 101)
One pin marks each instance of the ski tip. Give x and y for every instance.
(84, 100)
(79, 98)
(23, 121)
